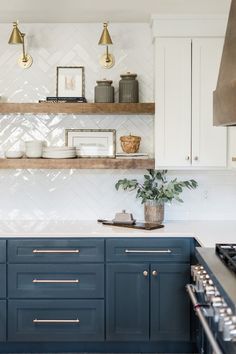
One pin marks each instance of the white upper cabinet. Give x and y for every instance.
(186, 72)
(186, 75)
(173, 102)
(209, 143)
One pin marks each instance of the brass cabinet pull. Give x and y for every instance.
(55, 251)
(154, 273)
(148, 251)
(56, 321)
(55, 281)
(145, 273)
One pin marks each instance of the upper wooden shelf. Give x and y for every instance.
(78, 108)
(77, 163)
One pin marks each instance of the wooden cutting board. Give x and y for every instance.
(137, 225)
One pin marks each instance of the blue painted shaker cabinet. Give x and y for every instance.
(147, 301)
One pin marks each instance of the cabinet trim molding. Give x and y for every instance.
(188, 25)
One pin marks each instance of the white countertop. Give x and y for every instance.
(207, 233)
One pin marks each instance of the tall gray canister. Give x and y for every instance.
(104, 92)
(128, 88)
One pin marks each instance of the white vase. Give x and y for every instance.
(153, 211)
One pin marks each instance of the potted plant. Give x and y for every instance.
(155, 191)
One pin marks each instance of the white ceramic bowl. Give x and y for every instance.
(13, 154)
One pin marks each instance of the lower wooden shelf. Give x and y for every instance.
(77, 163)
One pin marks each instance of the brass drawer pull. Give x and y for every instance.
(55, 251)
(148, 251)
(56, 321)
(55, 281)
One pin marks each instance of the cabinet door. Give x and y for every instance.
(170, 307)
(173, 102)
(209, 144)
(127, 312)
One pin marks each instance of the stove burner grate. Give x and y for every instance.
(227, 253)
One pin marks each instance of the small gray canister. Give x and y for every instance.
(128, 88)
(104, 92)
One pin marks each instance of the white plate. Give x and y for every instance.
(58, 149)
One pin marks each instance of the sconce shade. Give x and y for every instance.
(105, 37)
(16, 36)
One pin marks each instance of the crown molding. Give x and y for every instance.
(188, 25)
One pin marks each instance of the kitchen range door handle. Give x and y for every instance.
(56, 321)
(56, 251)
(215, 347)
(55, 281)
(147, 251)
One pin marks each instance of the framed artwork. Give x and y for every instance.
(70, 81)
(92, 142)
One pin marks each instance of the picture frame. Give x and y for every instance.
(94, 143)
(70, 81)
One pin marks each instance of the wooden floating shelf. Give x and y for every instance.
(77, 163)
(77, 108)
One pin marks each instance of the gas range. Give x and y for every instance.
(227, 253)
(213, 294)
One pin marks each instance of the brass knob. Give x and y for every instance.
(154, 273)
(145, 273)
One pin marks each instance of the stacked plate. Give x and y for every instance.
(62, 152)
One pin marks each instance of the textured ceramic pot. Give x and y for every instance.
(153, 211)
(128, 88)
(104, 92)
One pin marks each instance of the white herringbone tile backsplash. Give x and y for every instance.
(87, 194)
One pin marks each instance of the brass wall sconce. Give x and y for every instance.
(17, 37)
(107, 60)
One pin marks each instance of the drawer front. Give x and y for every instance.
(3, 280)
(55, 320)
(3, 322)
(2, 251)
(56, 281)
(135, 250)
(56, 251)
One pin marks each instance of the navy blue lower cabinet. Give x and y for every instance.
(3, 276)
(55, 320)
(56, 281)
(170, 307)
(2, 320)
(127, 302)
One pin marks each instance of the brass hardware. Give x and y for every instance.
(56, 321)
(107, 60)
(17, 37)
(145, 273)
(187, 158)
(55, 251)
(55, 281)
(196, 158)
(154, 273)
(148, 251)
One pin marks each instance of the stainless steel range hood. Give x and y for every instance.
(224, 97)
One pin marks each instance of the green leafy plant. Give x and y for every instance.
(156, 187)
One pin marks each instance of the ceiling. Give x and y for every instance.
(99, 10)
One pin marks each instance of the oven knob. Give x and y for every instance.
(218, 308)
(233, 334)
(222, 317)
(228, 326)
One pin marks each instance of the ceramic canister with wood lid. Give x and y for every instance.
(128, 88)
(104, 92)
